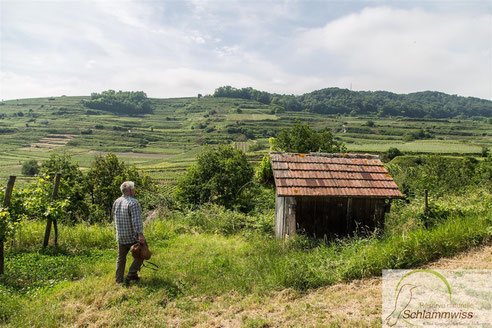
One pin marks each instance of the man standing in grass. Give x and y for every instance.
(127, 215)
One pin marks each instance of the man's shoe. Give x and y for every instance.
(130, 278)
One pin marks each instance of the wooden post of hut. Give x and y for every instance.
(285, 216)
(330, 194)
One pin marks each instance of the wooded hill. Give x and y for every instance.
(428, 104)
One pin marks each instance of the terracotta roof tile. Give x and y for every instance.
(345, 175)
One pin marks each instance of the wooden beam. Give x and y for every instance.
(279, 216)
(290, 217)
(8, 191)
(349, 215)
(6, 203)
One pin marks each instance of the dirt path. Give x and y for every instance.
(355, 304)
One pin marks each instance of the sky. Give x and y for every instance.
(182, 48)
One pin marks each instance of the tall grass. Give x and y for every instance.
(212, 251)
(73, 237)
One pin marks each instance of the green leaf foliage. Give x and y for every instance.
(30, 167)
(72, 184)
(32, 203)
(220, 175)
(264, 171)
(121, 102)
(391, 153)
(440, 175)
(103, 181)
(382, 103)
(301, 138)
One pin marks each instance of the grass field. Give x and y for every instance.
(220, 267)
(203, 275)
(164, 143)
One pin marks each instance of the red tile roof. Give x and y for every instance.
(339, 175)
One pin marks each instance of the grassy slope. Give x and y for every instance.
(178, 128)
(233, 278)
(206, 278)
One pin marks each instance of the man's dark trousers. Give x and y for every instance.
(123, 250)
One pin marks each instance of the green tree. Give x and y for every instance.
(484, 152)
(220, 175)
(72, 184)
(123, 102)
(264, 172)
(30, 167)
(301, 138)
(104, 179)
(391, 153)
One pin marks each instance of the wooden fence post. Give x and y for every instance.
(6, 203)
(50, 220)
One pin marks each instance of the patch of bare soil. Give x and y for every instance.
(50, 142)
(354, 304)
(132, 154)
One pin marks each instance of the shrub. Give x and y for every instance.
(391, 153)
(264, 172)
(72, 184)
(122, 102)
(103, 181)
(30, 167)
(219, 175)
(88, 131)
(484, 152)
(438, 174)
(304, 139)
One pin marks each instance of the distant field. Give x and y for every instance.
(419, 146)
(165, 143)
(251, 117)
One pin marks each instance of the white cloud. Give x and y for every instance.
(179, 48)
(407, 50)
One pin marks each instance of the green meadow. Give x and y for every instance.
(212, 259)
(165, 142)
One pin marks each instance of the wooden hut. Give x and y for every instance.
(328, 195)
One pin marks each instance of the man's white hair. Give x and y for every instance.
(126, 187)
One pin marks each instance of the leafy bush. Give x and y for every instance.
(439, 174)
(72, 185)
(264, 171)
(484, 152)
(219, 175)
(6, 223)
(391, 153)
(31, 203)
(103, 180)
(301, 138)
(86, 132)
(122, 102)
(30, 167)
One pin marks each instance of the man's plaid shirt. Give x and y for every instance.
(127, 215)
